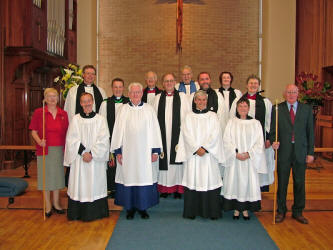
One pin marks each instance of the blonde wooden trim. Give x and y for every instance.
(321, 150)
(17, 147)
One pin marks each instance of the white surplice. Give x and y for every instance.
(222, 112)
(70, 102)
(241, 178)
(201, 130)
(268, 178)
(174, 175)
(225, 118)
(87, 181)
(136, 132)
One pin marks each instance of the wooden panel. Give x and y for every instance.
(310, 36)
(39, 26)
(329, 33)
(20, 116)
(18, 21)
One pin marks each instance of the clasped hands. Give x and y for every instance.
(242, 156)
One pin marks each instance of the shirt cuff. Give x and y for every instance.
(118, 152)
(156, 151)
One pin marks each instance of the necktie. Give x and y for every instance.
(292, 118)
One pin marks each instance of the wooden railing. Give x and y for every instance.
(25, 148)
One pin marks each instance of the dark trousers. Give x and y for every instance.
(111, 176)
(283, 171)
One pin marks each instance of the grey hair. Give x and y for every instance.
(155, 75)
(187, 67)
(133, 84)
(200, 93)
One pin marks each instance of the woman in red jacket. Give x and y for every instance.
(56, 124)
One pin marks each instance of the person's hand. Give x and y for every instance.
(42, 143)
(242, 156)
(276, 145)
(87, 157)
(154, 157)
(267, 144)
(112, 163)
(120, 158)
(201, 152)
(309, 158)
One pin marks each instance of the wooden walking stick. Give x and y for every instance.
(276, 156)
(44, 201)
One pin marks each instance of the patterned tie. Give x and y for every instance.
(292, 118)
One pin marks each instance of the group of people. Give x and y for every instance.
(213, 146)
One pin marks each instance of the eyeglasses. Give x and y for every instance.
(169, 81)
(292, 92)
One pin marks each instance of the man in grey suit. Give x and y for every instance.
(295, 149)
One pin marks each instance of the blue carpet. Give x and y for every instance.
(167, 229)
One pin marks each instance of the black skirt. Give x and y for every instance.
(234, 204)
(205, 204)
(87, 211)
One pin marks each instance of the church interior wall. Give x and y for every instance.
(136, 36)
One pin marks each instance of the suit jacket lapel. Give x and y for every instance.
(298, 112)
(286, 112)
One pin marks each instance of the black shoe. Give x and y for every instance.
(213, 218)
(48, 214)
(58, 211)
(177, 195)
(235, 217)
(144, 214)
(164, 195)
(246, 217)
(189, 217)
(130, 214)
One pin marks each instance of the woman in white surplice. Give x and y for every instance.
(200, 148)
(86, 153)
(245, 159)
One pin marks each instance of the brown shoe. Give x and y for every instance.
(301, 219)
(279, 217)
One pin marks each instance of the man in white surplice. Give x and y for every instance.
(200, 148)
(136, 142)
(171, 108)
(72, 106)
(86, 153)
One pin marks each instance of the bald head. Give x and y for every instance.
(291, 93)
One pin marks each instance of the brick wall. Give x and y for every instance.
(138, 36)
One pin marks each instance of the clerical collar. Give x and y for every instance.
(197, 111)
(207, 90)
(90, 115)
(86, 85)
(252, 97)
(187, 84)
(151, 90)
(169, 94)
(118, 99)
(132, 105)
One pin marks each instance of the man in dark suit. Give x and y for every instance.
(295, 149)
